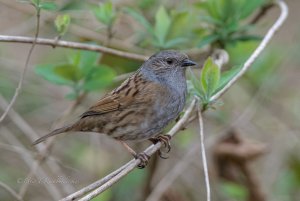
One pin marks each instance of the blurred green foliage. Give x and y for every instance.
(233, 191)
(80, 72)
(62, 23)
(224, 21)
(168, 31)
(215, 23)
(205, 87)
(106, 14)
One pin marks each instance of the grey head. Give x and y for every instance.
(167, 66)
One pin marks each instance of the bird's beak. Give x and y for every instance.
(188, 62)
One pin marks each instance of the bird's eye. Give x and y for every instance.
(169, 61)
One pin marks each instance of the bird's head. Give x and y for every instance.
(167, 63)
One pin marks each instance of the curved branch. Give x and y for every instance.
(153, 148)
(73, 45)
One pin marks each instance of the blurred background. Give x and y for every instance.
(252, 133)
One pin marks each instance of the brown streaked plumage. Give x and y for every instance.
(142, 105)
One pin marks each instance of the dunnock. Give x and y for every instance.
(141, 106)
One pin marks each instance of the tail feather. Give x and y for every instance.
(55, 132)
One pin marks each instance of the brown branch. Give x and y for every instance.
(263, 11)
(73, 45)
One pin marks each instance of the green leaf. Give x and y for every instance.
(105, 13)
(48, 6)
(210, 77)
(227, 76)
(100, 77)
(246, 38)
(175, 42)
(48, 72)
(69, 72)
(35, 2)
(85, 60)
(208, 40)
(62, 23)
(162, 25)
(248, 7)
(180, 25)
(88, 59)
(141, 19)
(234, 191)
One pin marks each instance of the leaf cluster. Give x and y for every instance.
(80, 72)
(224, 18)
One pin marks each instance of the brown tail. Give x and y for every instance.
(55, 132)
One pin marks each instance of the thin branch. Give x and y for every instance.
(283, 15)
(20, 84)
(263, 11)
(30, 161)
(32, 135)
(11, 191)
(204, 161)
(153, 148)
(131, 164)
(73, 45)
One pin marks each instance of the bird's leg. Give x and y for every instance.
(144, 158)
(165, 140)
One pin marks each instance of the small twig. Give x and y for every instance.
(263, 11)
(20, 84)
(204, 161)
(73, 45)
(283, 15)
(30, 161)
(11, 191)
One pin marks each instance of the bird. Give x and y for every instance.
(141, 107)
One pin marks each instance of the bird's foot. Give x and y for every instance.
(165, 140)
(144, 158)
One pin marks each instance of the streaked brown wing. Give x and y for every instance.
(128, 94)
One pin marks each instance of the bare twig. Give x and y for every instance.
(18, 89)
(32, 135)
(29, 160)
(283, 15)
(263, 11)
(73, 45)
(11, 191)
(204, 161)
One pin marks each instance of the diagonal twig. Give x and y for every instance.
(20, 84)
(11, 191)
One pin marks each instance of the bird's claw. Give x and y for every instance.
(144, 158)
(165, 140)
